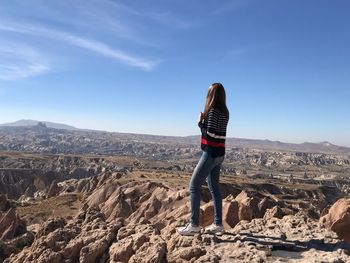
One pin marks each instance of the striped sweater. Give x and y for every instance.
(213, 128)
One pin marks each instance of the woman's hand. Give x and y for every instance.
(200, 117)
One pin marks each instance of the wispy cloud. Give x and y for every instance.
(114, 18)
(96, 46)
(125, 8)
(19, 62)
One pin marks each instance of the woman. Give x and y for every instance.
(213, 123)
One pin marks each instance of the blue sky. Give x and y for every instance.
(145, 66)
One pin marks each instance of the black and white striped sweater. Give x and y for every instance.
(213, 128)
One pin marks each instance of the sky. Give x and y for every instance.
(145, 66)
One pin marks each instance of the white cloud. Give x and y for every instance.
(105, 50)
(18, 61)
(96, 46)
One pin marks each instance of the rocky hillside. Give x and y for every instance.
(132, 217)
(26, 175)
(95, 208)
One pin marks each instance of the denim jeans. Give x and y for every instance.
(207, 168)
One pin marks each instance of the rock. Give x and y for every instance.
(49, 255)
(273, 212)
(265, 204)
(138, 243)
(53, 190)
(187, 254)
(338, 219)
(229, 214)
(248, 206)
(30, 191)
(86, 240)
(11, 225)
(49, 226)
(121, 251)
(124, 220)
(4, 203)
(15, 245)
(94, 250)
(153, 251)
(117, 175)
(82, 185)
(207, 215)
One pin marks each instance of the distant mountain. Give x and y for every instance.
(268, 145)
(24, 129)
(322, 147)
(48, 124)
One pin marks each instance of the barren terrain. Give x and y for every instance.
(63, 206)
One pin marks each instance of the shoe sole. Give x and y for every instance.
(188, 234)
(219, 233)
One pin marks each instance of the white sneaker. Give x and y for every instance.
(214, 229)
(189, 230)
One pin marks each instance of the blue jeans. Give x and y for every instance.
(207, 168)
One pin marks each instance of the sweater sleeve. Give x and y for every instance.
(212, 121)
(209, 124)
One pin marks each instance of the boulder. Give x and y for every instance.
(338, 219)
(229, 214)
(248, 206)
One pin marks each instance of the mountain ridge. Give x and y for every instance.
(29, 122)
(259, 144)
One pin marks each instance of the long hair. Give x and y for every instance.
(216, 98)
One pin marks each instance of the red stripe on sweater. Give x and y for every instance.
(213, 144)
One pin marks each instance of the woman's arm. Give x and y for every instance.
(216, 126)
(213, 117)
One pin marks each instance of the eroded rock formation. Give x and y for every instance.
(338, 219)
(135, 221)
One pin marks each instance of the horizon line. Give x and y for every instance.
(167, 135)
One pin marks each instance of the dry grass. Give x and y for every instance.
(37, 212)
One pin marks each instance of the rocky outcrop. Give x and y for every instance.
(338, 219)
(4, 203)
(10, 223)
(136, 201)
(53, 190)
(243, 207)
(13, 230)
(85, 239)
(15, 245)
(138, 243)
(135, 221)
(276, 211)
(24, 176)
